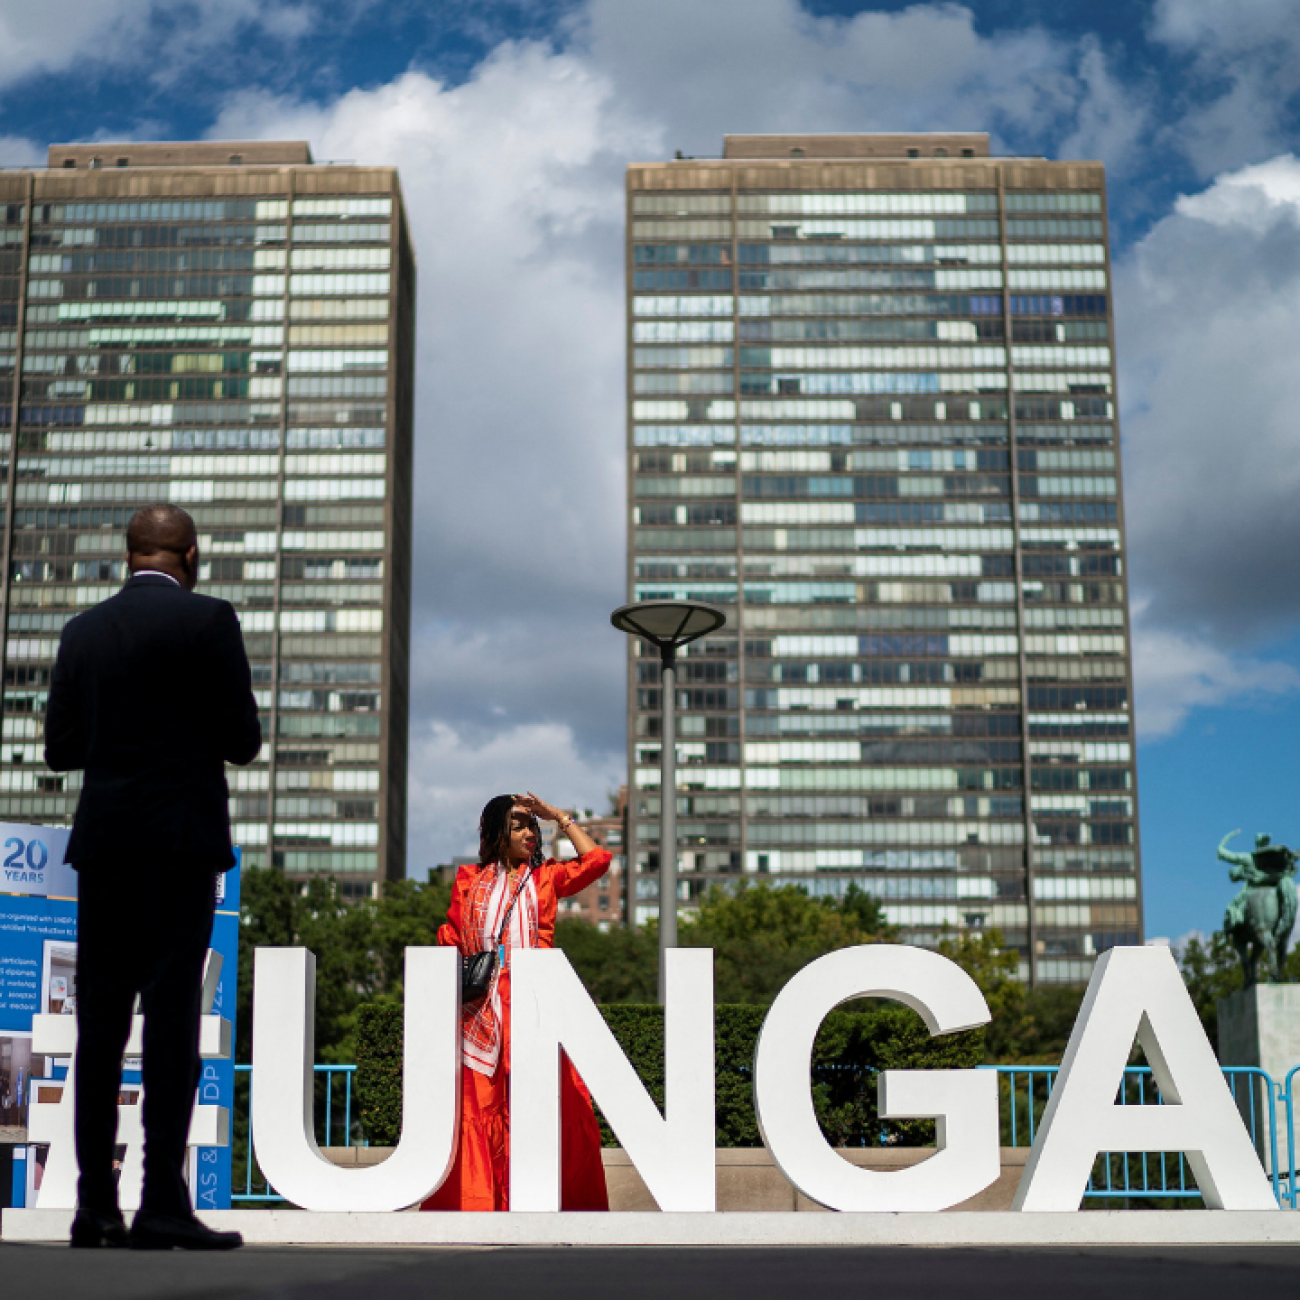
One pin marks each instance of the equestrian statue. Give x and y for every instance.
(1259, 920)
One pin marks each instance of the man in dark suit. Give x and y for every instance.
(151, 696)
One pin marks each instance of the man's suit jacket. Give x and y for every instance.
(152, 696)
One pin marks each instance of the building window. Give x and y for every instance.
(941, 152)
(236, 159)
(968, 153)
(123, 162)
(96, 163)
(913, 153)
(797, 153)
(69, 162)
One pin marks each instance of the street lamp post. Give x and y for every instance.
(667, 624)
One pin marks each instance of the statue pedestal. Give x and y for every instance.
(1260, 1026)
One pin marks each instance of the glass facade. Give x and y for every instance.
(871, 412)
(241, 347)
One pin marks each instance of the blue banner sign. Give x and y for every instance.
(211, 1169)
(38, 975)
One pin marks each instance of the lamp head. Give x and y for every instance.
(668, 623)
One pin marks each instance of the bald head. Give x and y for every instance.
(163, 538)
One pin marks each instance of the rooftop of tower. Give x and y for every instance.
(918, 144)
(182, 153)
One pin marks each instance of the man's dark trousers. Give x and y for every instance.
(139, 933)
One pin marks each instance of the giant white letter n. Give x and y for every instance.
(552, 1012)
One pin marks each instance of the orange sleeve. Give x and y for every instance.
(573, 875)
(449, 935)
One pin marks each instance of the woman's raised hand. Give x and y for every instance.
(544, 811)
(538, 807)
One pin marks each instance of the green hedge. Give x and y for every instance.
(851, 1048)
(379, 1071)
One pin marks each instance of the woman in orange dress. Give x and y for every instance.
(511, 885)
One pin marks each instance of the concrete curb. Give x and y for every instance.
(1099, 1228)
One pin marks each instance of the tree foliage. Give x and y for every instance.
(761, 935)
(1212, 971)
(1027, 1026)
(617, 965)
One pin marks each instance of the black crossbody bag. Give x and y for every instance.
(477, 969)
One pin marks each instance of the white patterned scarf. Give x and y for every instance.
(489, 898)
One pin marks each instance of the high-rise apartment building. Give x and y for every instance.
(871, 411)
(228, 327)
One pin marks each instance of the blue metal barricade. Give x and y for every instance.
(1286, 1096)
(1137, 1176)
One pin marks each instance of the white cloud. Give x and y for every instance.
(569, 664)
(1179, 673)
(1208, 332)
(15, 151)
(1255, 198)
(1231, 25)
(769, 65)
(1243, 76)
(1108, 118)
(166, 37)
(452, 779)
(52, 37)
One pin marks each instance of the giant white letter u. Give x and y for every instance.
(284, 1041)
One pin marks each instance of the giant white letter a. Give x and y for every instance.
(1138, 993)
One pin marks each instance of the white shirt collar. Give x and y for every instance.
(154, 573)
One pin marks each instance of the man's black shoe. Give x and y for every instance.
(92, 1229)
(162, 1232)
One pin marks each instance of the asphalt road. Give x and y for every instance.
(630, 1273)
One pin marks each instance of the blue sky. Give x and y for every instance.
(512, 122)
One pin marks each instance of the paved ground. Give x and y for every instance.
(558, 1273)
